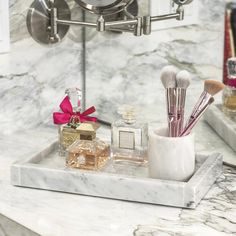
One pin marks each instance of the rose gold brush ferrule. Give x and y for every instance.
(171, 111)
(204, 98)
(181, 96)
(194, 121)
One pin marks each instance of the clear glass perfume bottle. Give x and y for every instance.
(68, 132)
(88, 154)
(129, 138)
(229, 93)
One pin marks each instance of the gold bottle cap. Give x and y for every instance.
(86, 127)
(86, 131)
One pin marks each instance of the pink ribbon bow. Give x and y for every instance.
(65, 116)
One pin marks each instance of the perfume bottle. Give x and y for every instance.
(68, 133)
(229, 36)
(88, 153)
(229, 93)
(129, 138)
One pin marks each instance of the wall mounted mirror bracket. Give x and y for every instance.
(48, 21)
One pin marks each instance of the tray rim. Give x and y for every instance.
(25, 163)
(190, 191)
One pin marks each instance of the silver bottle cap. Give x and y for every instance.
(232, 66)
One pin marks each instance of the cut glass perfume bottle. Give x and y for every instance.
(129, 138)
(90, 154)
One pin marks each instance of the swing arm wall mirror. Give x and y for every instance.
(48, 21)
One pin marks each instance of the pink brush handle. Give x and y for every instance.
(194, 121)
(204, 98)
(171, 111)
(181, 96)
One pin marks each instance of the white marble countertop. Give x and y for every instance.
(59, 214)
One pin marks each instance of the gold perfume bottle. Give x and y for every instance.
(68, 133)
(88, 153)
(229, 93)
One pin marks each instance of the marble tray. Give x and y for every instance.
(47, 170)
(223, 125)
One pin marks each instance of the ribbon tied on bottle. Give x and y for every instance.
(67, 114)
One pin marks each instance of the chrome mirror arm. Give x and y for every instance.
(49, 23)
(137, 25)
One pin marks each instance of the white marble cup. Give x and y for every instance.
(171, 158)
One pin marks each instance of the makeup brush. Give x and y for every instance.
(194, 121)
(183, 79)
(168, 78)
(211, 88)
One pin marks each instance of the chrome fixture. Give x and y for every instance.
(48, 21)
(42, 20)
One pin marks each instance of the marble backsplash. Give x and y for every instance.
(125, 69)
(33, 77)
(120, 68)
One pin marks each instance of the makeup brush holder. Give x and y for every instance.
(171, 158)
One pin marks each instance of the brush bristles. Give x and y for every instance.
(213, 87)
(168, 76)
(183, 79)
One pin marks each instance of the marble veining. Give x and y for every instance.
(215, 215)
(33, 77)
(119, 68)
(126, 69)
